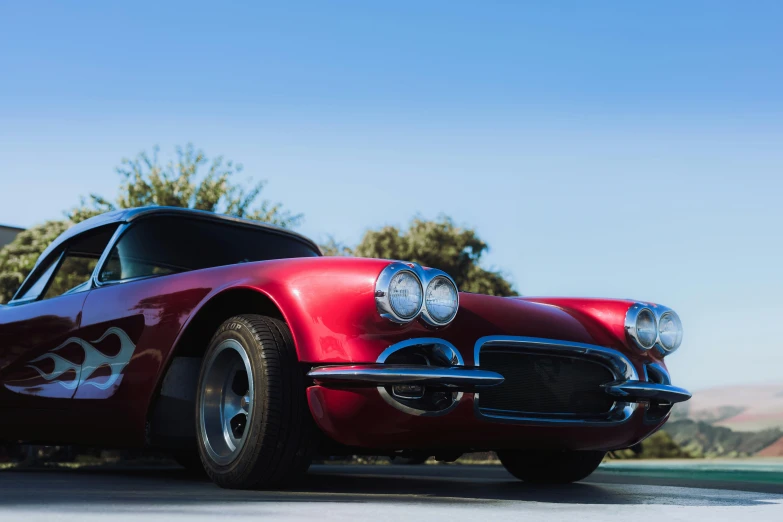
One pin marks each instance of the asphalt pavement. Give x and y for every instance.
(451, 493)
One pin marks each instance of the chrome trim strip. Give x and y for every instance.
(659, 370)
(620, 366)
(389, 374)
(391, 401)
(615, 361)
(640, 391)
(457, 359)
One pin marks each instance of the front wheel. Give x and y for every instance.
(551, 467)
(253, 425)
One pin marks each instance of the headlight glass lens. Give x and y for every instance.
(670, 331)
(646, 331)
(441, 300)
(405, 294)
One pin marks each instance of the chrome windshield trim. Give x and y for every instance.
(389, 374)
(621, 367)
(31, 279)
(106, 252)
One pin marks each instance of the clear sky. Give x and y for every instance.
(620, 149)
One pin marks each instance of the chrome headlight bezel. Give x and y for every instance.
(426, 314)
(382, 287)
(425, 277)
(658, 312)
(678, 321)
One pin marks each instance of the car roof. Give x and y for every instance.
(131, 214)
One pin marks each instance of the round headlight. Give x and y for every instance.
(441, 300)
(646, 329)
(670, 331)
(405, 294)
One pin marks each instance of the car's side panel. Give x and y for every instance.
(39, 365)
(142, 319)
(34, 361)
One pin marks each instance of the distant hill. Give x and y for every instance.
(702, 439)
(741, 408)
(773, 450)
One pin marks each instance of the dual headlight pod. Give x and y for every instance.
(405, 291)
(654, 325)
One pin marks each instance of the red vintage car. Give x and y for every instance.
(237, 347)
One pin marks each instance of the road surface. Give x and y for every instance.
(381, 493)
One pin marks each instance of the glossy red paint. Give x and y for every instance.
(360, 418)
(329, 305)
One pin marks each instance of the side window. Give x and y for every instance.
(74, 271)
(38, 287)
(71, 271)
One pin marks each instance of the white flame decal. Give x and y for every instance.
(93, 359)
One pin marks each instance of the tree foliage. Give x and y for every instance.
(190, 180)
(659, 445)
(437, 244)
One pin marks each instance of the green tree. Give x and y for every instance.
(437, 244)
(191, 180)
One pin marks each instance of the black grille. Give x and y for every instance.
(537, 383)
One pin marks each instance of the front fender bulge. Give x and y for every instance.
(330, 307)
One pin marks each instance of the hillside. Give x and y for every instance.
(740, 408)
(702, 439)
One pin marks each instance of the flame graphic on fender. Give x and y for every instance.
(93, 359)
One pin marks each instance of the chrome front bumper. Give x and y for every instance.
(454, 377)
(472, 379)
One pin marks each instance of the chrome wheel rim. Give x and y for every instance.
(226, 402)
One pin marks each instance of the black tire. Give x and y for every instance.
(280, 433)
(551, 467)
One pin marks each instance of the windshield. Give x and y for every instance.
(168, 245)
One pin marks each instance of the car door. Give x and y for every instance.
(41, 344)
(138, 308)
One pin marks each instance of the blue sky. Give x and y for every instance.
(602, 149)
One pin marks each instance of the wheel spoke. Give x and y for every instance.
(226, 403)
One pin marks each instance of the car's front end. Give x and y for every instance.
(445, 372)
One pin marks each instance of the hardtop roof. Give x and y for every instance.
(131, 214)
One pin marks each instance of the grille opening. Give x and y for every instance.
(545, 384)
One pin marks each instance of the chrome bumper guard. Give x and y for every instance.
(467, 379)
(373, 375)
(641, 391)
